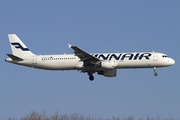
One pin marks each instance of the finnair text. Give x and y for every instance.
(130, 56)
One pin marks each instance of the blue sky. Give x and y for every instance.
(46, 27)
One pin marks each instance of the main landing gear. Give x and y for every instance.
(155, 73)
(91, 77)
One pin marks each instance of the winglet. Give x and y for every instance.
(69, 45)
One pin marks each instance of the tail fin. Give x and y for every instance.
(18, 47)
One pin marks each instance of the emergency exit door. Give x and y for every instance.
(34, 60)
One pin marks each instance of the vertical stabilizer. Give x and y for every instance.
(18, 47)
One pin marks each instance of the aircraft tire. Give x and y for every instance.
(91, 77)
(155, 74)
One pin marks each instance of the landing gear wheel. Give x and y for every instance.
(155, 74)
(91, 77)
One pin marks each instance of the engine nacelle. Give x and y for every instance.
(108, 73)
(107, 64)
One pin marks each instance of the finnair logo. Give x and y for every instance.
(17, 45)
(130, 56)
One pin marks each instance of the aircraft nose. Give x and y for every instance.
(171, 61)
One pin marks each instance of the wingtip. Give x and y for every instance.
(69, 45)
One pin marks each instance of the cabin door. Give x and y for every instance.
(34, 60)
(155, 56)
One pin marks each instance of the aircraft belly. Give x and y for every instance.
(139, 64)
(134, 64)
(56, 65)
(65, 65)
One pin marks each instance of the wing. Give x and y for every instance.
(87, 58)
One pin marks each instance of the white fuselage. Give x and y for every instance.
(72, 62)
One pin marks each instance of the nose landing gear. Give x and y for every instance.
(155, 73)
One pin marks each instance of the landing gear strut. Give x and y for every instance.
(155, 73)
(91, 77)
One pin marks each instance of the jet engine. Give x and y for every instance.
(107, 64)
(108, 73)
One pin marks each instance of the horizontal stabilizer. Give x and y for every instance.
(15, 57)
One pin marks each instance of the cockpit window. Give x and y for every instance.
(164, 56)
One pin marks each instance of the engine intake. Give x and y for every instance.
(107, 64)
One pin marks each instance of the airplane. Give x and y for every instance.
(103, 63)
